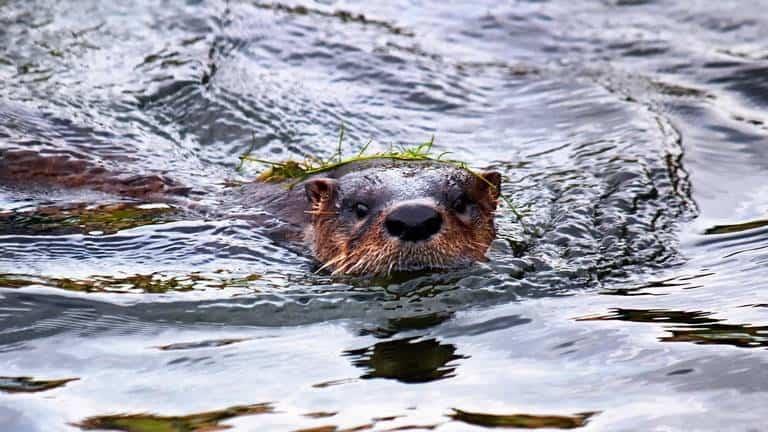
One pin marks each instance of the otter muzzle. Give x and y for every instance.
(413, 222)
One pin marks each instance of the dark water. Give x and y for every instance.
(632, 134)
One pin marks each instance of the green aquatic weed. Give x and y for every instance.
(296, 171)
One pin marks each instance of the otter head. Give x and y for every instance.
(401, 217)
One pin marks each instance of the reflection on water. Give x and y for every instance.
(100, 219)
(414, 322)
(406, 360)
(744, 336)
(199, 422)
(212, 343)
(30, 385)
(155, 283)
(631, 134)
(659, 316)
(523, 421)
(695, 327)
(735, 228)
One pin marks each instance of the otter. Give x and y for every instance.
(363, 218)
(376, 217)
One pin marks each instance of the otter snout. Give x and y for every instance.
(413, 222)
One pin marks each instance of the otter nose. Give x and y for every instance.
(413, 222)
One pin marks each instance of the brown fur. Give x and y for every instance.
(459, 242)
(30, 167)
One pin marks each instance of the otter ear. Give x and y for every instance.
(490, 182)
(320, 190)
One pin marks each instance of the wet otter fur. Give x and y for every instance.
(364, 218)
(381, 216)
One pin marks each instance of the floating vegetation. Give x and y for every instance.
(523, 421)
(153, 283)
(297, 171)
(200, 422)
(30, 385)
(102, 219)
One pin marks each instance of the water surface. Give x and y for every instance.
(631, 135)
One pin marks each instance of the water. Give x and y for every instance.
(631, 134)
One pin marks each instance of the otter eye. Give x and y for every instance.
(460, 204)
(361, 210)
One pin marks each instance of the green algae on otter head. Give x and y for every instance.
(293, 171)
(372, 214)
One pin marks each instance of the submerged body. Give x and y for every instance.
(363, 218)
